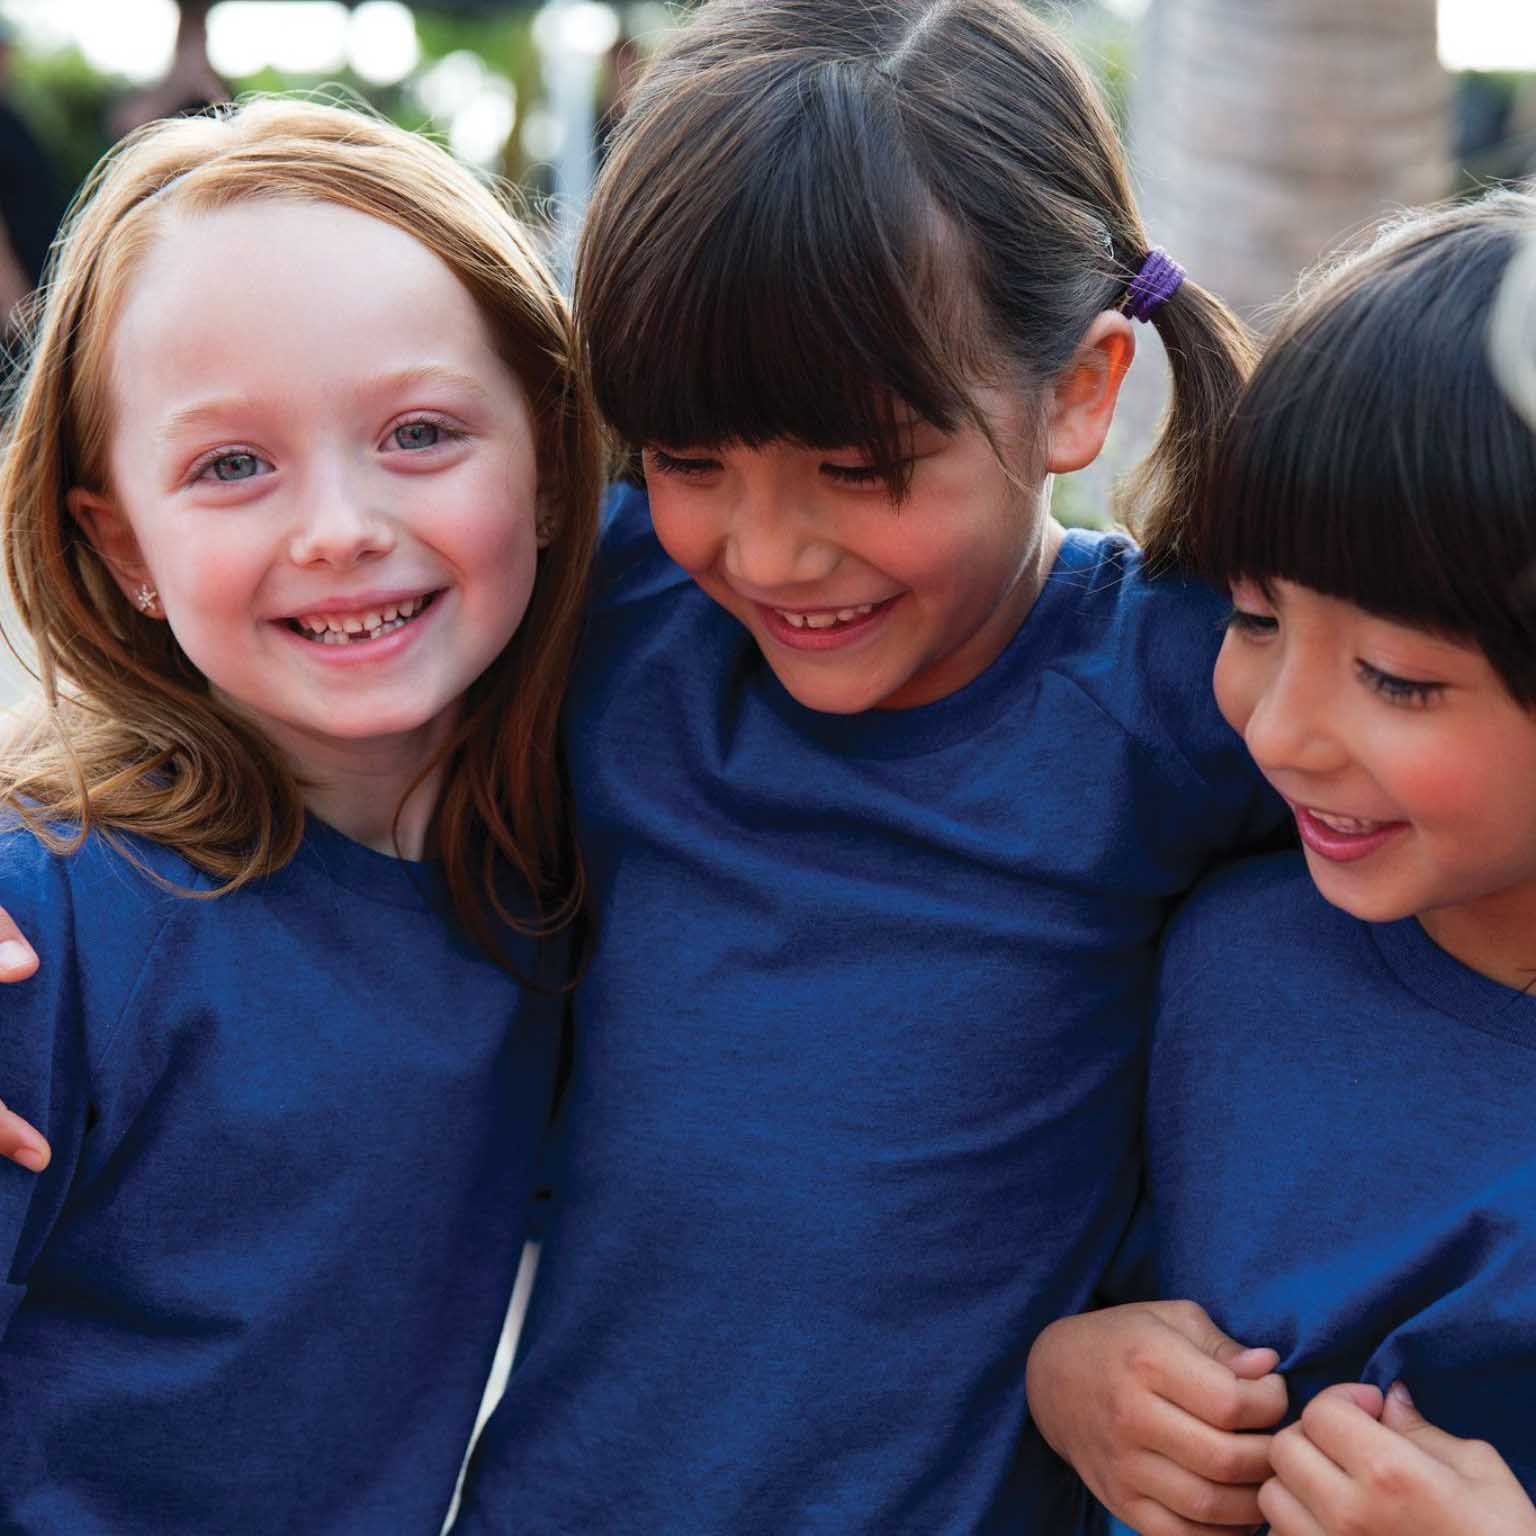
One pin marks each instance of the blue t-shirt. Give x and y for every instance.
(856, 1092)
(1340, 1152)
(294, 1128)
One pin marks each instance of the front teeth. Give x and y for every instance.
(1351, 825)
(339, 629)
(825, 620)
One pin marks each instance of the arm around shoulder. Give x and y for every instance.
(41, 1027)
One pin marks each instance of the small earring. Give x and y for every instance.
(146, 597)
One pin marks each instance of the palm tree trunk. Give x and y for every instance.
(1268, 130)
(1263, 134)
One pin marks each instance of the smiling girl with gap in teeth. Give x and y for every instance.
(299, 493)
(1343, 1068)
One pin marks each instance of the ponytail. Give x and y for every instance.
(1211, 353)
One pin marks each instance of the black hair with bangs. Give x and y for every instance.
(1374, 457)
(819, 218)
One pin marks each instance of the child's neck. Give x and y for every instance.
(363, 806)
(1495, 937)
(364, 789)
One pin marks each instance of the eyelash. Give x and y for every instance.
(1398, 690)
(1395, 690)
(693, 469)
(684, 469)
(1247, 623)
(854, 474)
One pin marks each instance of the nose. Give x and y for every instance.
(1294, 724)
(773, 544)
(341, 522)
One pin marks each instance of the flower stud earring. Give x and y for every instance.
(146, 597)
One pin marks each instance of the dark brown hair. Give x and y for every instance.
(815, 209)
(1374, 456)
(134, 741)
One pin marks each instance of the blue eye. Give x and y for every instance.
(418, 434)
(232, 467)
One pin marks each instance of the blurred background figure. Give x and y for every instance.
(31, 198)
(191, 84)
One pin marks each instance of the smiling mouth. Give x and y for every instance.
(351, 628)
(1349, 826)
(829, 618)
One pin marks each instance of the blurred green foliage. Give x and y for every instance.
(68, 103)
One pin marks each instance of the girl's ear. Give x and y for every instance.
(1083, 401)
(107, 529)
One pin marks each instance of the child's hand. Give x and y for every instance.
(17, 958)
(22, 1143)
(1145, 1401)
(1341, 1473)
(18, 1140)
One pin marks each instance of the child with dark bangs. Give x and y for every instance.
(886, 784)
(1339, 1155)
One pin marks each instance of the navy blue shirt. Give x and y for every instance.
(1340, 1150)
(857, 1075)
(260, 1287)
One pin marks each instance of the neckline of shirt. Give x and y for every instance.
(1442, 981)
(966, 713)
(378, 877)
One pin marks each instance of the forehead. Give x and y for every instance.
(305, 289)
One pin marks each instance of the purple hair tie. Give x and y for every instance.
(1155, 284)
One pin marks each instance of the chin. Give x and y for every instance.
(828, 701)
(1366, 905)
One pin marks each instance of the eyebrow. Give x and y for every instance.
(427, 375)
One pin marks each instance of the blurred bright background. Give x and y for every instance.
(513, 86)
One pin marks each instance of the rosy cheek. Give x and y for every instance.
(1447, 785)
(687, 540)
(209, 580)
